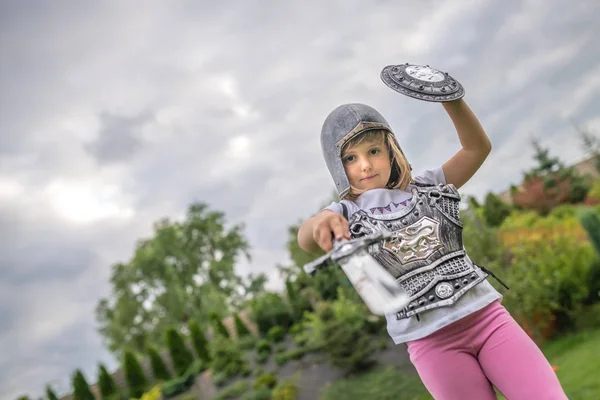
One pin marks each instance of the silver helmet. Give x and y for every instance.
(341, 125)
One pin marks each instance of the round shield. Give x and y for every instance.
(422, 82)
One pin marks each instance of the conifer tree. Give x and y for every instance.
(180, 355)
(240, 327)
(134, 375)
(218, 325)
(159, 369)
(50, 393)
(81, 389)
(199, 341)
(495, 210)
(106, 383)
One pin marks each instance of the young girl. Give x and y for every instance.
(460, 338)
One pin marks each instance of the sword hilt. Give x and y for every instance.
(345, 248)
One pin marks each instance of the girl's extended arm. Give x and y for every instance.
(475, 144)
(317, 232)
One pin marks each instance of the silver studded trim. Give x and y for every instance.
(444, 290)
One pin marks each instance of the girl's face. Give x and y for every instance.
(367, 164)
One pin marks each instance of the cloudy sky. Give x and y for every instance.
(114, 114)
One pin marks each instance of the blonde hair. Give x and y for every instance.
(400, 176)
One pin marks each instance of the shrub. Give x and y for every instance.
(591, 223)
(106, 383)
(173, 387)
(153, 394)
(548, 277)
(199, 341)
(276, 334)
(226, 357)
(159, 369)
(593, 196)
(263, 346)
(338, 330)
(180, 355)
(267, 380)
(81, 389)
(270, 310)
(297, 353)
(260, 394)
(134, 375)
(298, 303)
(286, 390)
(182, 383)
(282, 359)
(262, 358)
(481, 240)
(234, 391)
(247, 342)
(280, 348)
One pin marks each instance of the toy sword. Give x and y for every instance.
(376, 286)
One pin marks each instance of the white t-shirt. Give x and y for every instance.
(384, 201)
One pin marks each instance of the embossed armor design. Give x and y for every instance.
(425, 253)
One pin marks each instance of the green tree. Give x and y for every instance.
(199, 341)
(108, 388)
(50, 393)
(549, 184)
(591, 145)
(217, 323)
(298, 303)
(81, 389)
(185, 271)
(134, 375)
(180, 355)
(249, 287)
(270, 310)
(159, 369)
(325, 282)
(495, 210)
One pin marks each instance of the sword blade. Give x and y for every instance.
(376, 286)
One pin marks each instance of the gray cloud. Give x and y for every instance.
(118, 137)
(114, 116)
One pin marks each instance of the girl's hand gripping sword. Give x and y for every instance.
(377, 287)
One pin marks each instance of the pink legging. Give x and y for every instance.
(464, 359)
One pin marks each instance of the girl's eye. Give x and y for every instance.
(348, 159)
(374, 151)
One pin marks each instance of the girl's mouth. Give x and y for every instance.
(368, 178)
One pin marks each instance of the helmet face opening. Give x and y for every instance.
(342, 125)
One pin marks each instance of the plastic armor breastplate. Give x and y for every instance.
(425, 253)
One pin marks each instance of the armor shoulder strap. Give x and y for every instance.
(345, 211)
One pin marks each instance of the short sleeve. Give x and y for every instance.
(335, 207)
(433, 176)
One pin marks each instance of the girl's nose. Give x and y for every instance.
(365, 163)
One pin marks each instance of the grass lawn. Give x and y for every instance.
(384, 383)
(576, 356)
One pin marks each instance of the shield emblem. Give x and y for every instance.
(415, 242)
